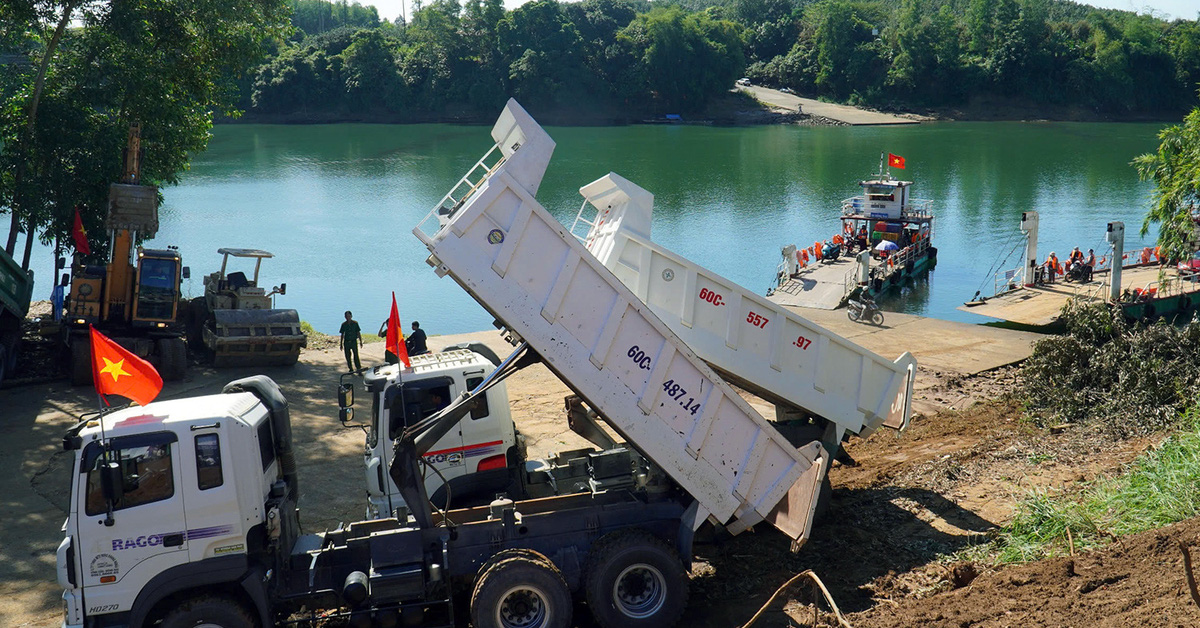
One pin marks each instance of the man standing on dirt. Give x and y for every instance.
(350, 339)
(415, 343)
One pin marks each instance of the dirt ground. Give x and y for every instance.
(904, 503)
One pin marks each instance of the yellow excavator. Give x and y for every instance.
(134, 299)
(236, 321)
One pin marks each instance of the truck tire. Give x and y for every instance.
(210, 611)
(633, 579)
(172, 358)
(520, 589)
(80, 362)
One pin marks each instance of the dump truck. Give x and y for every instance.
(16, 290)
(236, 321)
(823, 386)
(135, 298)
(185, 512)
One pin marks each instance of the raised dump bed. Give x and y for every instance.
(521, 264)
(759, 345)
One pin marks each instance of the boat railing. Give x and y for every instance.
(900, 259)
(915, 208)
(1007, 280)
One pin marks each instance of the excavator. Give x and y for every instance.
(134, 299)
(236, 322)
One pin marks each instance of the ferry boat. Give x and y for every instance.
(886, 237)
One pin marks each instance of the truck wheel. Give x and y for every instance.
(520, 589)
(172, 358)
(81, 362)
(634, 578)
(209, 611)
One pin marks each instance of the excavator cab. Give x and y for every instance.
(156, 291)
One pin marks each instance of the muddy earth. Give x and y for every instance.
(901, 505)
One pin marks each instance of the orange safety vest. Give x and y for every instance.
(1146, 255)
(837, 239)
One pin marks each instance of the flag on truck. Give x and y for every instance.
(79, 235)
(895, 161)
(395, 336)
(117, 371)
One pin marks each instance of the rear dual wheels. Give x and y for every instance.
(635, 579)
(520, 589)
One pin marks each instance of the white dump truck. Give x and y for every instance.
(184, 512)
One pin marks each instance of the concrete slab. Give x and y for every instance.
(939, 345)
(819, 286)
(841, 113)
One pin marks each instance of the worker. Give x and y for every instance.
(1052, 267)
(415, 343)
(1089, 265)
(1076, 256)
(350, 339)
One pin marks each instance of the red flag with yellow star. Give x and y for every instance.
(895, 161)
(117, 371)
(395, 336)
(79, 235)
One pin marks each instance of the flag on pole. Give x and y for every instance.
(79, 235)
(395, 336)
(117, 371)
(895, 161)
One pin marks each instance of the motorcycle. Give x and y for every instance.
(830, 252)
(864, 309)
(1078, 272)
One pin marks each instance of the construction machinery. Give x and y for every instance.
(236, 321)
(134, 299)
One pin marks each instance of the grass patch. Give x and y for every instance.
(1160, 488)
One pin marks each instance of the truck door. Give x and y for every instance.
(214, 518)
(148, 532)
(414, 401)
(485, 438)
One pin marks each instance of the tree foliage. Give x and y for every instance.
(168, 64)
(1175, 171)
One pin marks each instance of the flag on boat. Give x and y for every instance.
(79, 235)
(117, 371)
(895, 161)
(395, 337)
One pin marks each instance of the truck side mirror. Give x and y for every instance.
(345, 415)
(283, 288)
(60, 263)
(345, 395)
(186, 273)
(112, 482)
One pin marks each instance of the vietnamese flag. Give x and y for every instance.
(80, 235)
(117, 371)
(895, 161)
(395, 336)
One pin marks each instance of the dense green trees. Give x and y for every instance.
(632, 58)
(1175, 171)
(169, 64)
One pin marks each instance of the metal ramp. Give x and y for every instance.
(759, 345)
(524, 267)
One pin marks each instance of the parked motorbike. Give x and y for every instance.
(830, 252)
(864, 308)
(1079, 272)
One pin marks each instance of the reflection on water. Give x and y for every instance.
(337, 203)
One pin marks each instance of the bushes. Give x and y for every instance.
(1130, 379)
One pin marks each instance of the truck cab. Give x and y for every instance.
(172, 493)
(476, 459)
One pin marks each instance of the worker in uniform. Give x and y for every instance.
(1052, 267)
(350, 339)
(415, 343)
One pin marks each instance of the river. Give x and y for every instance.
(336, 203)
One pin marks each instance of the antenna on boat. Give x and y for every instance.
(882, 161)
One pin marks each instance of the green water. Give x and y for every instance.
(337, 203)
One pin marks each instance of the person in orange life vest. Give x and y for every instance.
(1052, 267)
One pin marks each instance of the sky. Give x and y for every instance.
(1187, 9)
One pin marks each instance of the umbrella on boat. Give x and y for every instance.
(886, 245)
